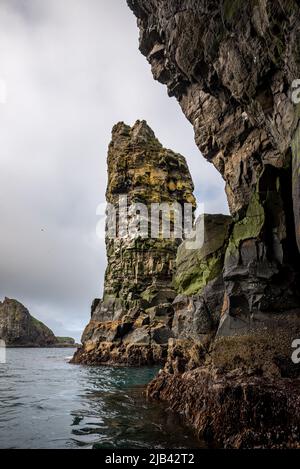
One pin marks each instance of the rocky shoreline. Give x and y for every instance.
(234, 410)
(110, 354)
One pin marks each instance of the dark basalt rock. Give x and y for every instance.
(296, 182)
(199, 281)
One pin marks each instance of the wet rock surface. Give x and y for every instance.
(234, 410)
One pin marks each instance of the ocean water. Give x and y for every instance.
(47, 403)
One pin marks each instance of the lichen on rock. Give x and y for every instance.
(199, 283)
(132, 323)
(196, 267)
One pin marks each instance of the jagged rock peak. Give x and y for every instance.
(8, 301)
(139, 133)
(142, 131)
(11, 305)
(139, 166)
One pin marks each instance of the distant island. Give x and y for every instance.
(18, 328)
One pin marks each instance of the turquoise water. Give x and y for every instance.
(47, 403)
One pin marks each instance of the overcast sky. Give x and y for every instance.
(72, 69)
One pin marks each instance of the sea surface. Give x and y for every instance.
(47, 403)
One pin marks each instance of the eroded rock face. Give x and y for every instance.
(132, 323)
(200, 286)
(19, 329)
(231, 66)
(195, 268)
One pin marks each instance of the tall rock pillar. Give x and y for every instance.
(132, 323)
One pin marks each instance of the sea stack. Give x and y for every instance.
(131, 325)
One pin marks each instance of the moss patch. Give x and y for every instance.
(193, 281)
(249, 227)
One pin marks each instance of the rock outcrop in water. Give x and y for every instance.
(231, 65)
(66, 342)
(19, 329)
(131, 325)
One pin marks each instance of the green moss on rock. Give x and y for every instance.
(196, 267)
(194, 280)
(249, 227)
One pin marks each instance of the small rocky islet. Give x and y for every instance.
(18, 328)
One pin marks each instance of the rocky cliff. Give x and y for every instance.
(132, 323)
(231, 65)
(200, 288)
(19, 329)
